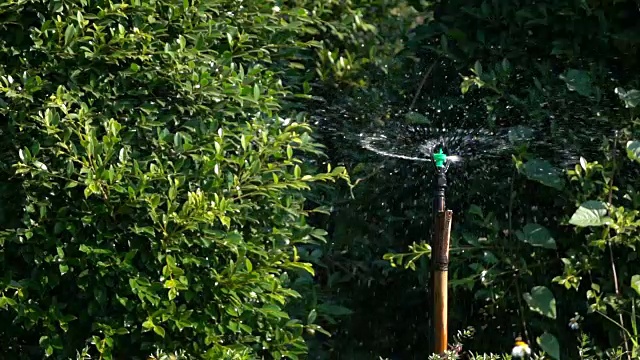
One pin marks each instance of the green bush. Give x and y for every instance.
(153, 183)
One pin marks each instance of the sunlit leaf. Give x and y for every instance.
(633, 150)
(590, 213)
(159, 330)
(583, 163)
(630, 98)
(635, 283)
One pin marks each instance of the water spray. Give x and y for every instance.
(440, 255)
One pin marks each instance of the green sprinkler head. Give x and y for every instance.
(440, 158)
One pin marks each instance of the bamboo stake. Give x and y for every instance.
(440, 256)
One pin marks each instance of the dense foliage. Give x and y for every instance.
(153, 180)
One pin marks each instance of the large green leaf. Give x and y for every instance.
(633, 150)
(549, 344)
(578, 81)
(543, 172)
(590, 213)
(541, 300)
(631, 98)
(537, 235)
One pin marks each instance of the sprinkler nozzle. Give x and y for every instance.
(440, 158)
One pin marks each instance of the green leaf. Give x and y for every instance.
(69, 34)
(444, 44)
(590, 213)
(543, 172)
(549, 344)
(300, 265)
(633, 150)
(71, 184)
(25, 155)
(63, 269)
(477, 68)
(506, 65)
(159, 330)
(230, 39)
(578, 81)
(296, 65)
(256, 92)
(275, 311)
(541, 300)
(537, 235)
(5, 301)
(635, 283)
(334, 310)
(475, 210)
(313, 314)
(289, 152)
(171, 261)
(87, 192)
(630, 98)
(414, 118)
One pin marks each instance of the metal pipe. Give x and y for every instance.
(441, 185)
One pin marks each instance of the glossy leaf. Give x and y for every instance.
(630, 98)
(537, 235)
(541, 300)
(578, 81)
(543, 172)
(590, 213)
(549, 344)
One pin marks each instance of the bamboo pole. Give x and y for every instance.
(440, 256)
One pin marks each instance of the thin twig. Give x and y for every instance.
(518, 292)
(422, 82)
(611, 258)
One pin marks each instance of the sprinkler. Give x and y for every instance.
(440, 159)
(442, 165)
(440, 255)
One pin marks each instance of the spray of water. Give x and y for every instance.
(369, 141)
(419, 143)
